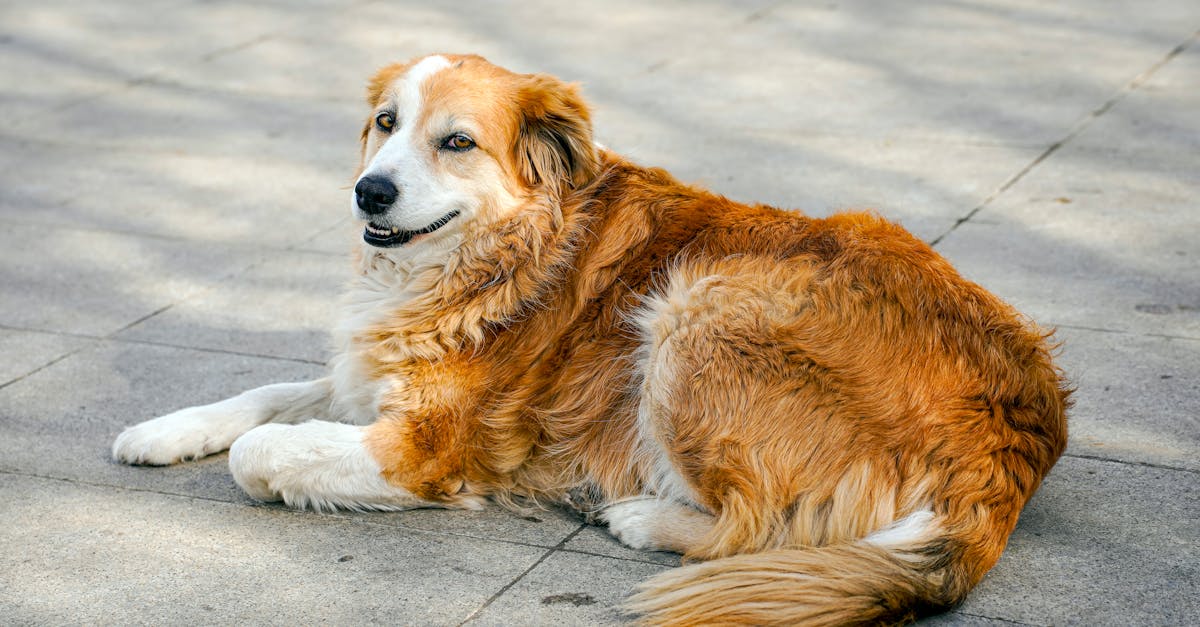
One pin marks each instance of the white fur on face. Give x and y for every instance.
(405, 159)
(409, 157)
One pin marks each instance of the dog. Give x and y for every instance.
(826, 420)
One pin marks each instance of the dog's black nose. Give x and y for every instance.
(374, 194)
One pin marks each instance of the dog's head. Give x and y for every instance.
(454, 140)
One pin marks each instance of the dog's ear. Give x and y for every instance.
(384, 79)
(554, 145)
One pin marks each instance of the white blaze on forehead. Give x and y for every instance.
(427, 193)
(391, 154)
(411, 96)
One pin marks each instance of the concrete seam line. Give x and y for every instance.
(1074, 131)
(473, 615)
(1127, 462)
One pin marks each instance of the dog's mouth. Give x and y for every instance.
(390, 237)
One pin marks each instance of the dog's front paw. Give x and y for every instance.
(252, 464)
(632, 521)
(184, 435)
(318, 465)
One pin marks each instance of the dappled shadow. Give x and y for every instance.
(236, 128)
(812, 107)
(151, 155)
(232, 133)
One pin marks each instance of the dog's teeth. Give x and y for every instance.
(395, 230)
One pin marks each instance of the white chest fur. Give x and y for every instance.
(381, 290)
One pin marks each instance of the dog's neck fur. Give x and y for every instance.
(490, 295)
(447, 298)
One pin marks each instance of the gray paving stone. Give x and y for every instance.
(362, 37)
(100, 47)
(1059, 280)
(338, 239)
(25, 199)
(1137, 398)
(1004, 71)
(544, 528)
(61, 421)
(43, 40)
(1156, 121)
(568, 589)
(236, 197)
(94, 283)
(149, 152)
(22, 352)
(283, 307)
(93, 555)
(924, 185)
(173, 118)
(24, 64)
(1101, 543)
(1103, 234)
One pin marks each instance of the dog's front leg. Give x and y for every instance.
(403, 460)
(195, 432)
(315, 465)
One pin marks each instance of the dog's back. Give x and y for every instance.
(831, 384)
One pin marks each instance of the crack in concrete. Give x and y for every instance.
(996, 618)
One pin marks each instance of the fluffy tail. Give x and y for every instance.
(868, 582)
(923, 563)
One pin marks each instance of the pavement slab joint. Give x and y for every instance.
(174, 230)
(1074, 131)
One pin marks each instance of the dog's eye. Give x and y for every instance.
(458, 143)
(385, 121)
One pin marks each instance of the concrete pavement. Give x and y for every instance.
(174, 226)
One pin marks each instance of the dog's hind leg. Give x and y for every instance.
(195, 432)
(656, 524)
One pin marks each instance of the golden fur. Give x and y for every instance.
(796, 384)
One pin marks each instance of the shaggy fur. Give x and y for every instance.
(822, 413)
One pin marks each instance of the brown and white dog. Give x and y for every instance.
(822, 411)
